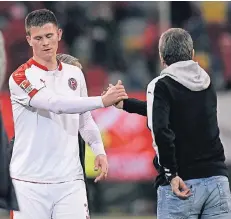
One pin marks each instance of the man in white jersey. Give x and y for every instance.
(50, 106)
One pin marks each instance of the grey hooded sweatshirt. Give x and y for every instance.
(189, 74)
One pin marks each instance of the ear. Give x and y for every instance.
(193, 54)
(60, 33)
(161, 60)
(28, 38)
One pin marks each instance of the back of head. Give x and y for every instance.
(175, 45)
(68, 59)
(38, 18)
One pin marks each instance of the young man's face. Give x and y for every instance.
(44, 40)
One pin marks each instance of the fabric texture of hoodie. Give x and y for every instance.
(182, 117)
(189, 74)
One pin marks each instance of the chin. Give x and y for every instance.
(49, 56)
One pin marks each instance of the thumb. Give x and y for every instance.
(110, 85)
(96, 164)
(119, 82)
(183, 186)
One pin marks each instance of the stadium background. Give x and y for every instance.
(119, 40)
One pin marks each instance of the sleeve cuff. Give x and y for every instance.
(98, 149)
(125, 104)
(100, 101)
(170, 176)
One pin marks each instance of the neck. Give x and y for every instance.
(51, 64)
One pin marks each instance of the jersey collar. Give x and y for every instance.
(33, 62)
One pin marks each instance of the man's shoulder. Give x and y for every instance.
(156, 80)
(72, 71)
(20, 73)
(22, 69)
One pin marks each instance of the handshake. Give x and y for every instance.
(114, 95)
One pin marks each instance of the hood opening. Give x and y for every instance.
(189, 74)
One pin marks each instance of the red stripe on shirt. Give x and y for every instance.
(22, 81)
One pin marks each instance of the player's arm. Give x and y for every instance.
(132, 105)
(91, 135)
(40, 97)
(164, 136)
(87, 126)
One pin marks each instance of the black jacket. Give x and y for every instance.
(8, 198)
(182, 114)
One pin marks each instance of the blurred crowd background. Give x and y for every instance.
(119, 40)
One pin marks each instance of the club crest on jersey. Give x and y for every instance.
(72, 83)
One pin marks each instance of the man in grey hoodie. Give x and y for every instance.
(182, 116)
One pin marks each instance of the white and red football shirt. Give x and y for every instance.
(49, 109)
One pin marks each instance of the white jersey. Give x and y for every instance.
(49, 109)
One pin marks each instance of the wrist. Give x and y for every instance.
(101, 154)
(103, 101)
(169, 177)
(121, 104)
(125, 103)
(99, 151)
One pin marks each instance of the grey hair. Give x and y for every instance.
(68, 59)
(175, 45)
(2, 60)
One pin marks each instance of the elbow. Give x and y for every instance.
(163, 136)
(159, 136)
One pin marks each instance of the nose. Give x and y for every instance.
(45, 42)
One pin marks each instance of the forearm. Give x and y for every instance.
(91, 134)
(159, 109)
(65, 104)
(132, 105)
(164, 138)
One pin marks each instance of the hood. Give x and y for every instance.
(189, 74)
(2, 60)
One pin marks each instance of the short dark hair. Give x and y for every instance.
(39, 18)
(175, 45)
